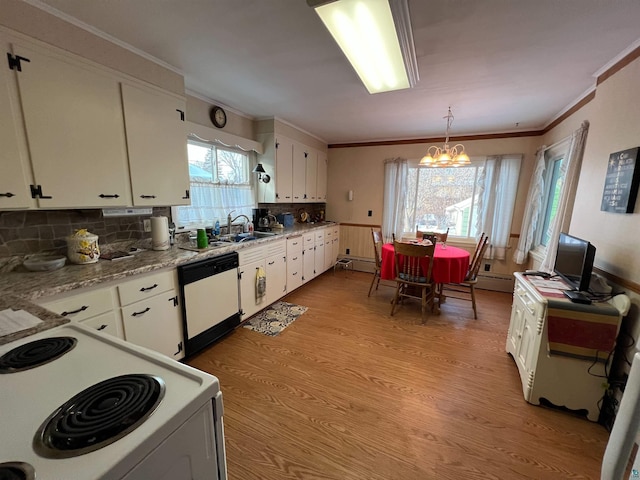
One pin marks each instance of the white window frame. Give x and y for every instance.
(476, 162)
(252, 183)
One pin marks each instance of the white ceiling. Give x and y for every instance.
(502, 65)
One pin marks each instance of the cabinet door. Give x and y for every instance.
(294, 263)
(73, 119)
(14, 162)
(157, 146)
(276, 268)
(155, 323)
(106, 323)
(284, 170)
(516, 323)
(300, 154)
(311, 175)
(308, 263)
(319, 258)
(248, 301)
(321, 184)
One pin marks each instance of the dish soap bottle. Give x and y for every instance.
(217, 228)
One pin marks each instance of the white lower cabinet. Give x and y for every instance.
(155, 323)
(276, 268)
(251, 260)
(144, 310)
(308, 257)
(94, 307)
(151, 313)
(294, 263)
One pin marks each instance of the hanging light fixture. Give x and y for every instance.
(446, 156)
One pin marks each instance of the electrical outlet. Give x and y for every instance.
(487, 267)
(147, 224)
(370, 213)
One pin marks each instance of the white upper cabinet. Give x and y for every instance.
(298, 172)
(14, 182)
(284, 169)
(311, 176)
(300, 153)
(73, 120)
(321, 184)
(157, 146)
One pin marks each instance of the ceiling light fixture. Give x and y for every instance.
(376, 37)
(446, 156)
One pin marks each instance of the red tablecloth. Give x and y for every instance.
(450, 264)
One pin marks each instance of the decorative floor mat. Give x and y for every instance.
(275, 318)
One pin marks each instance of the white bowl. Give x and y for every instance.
(45, 263)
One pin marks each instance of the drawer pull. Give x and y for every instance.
(102, 327)
(146, 289)
(81, 309)
(135, 314)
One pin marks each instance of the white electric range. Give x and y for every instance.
(105, 409)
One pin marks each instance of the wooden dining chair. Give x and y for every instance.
(466, 289)
(414, 274)
(378, 241)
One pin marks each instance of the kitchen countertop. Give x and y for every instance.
(27, 285)
(49, 319)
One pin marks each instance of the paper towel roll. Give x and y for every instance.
(160, 233)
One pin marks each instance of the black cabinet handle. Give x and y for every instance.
(81, 309)
(181, 112)
(271, 263)
(179, 348)
(36, 192)
(146, 289)
(135, 314)
(8, 195)
(103, 195)
(147, 196)
(102, 327)
(186, 195)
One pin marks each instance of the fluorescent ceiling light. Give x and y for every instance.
(366, 33)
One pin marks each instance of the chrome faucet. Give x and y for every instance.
(231, 220)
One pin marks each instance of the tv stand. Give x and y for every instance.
(564, 381)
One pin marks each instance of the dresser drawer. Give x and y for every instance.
(81, 306)
(146, 286)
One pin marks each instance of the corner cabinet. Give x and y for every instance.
(566, 381)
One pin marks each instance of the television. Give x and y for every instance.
(574, 261)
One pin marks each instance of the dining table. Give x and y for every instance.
(450, 264)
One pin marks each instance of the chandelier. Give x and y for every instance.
(446, 156)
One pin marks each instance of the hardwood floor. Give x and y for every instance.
(349, 392)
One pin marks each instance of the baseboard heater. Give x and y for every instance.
(361, 264)
(495, 282)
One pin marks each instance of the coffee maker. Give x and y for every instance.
(261, 219)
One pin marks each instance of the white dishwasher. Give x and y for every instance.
(210, 300)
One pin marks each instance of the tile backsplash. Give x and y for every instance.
(35, 231)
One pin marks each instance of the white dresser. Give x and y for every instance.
(552, 340)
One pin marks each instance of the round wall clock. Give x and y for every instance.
(218, 116)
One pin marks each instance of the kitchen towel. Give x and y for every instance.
(261, 282)
(160, 233)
